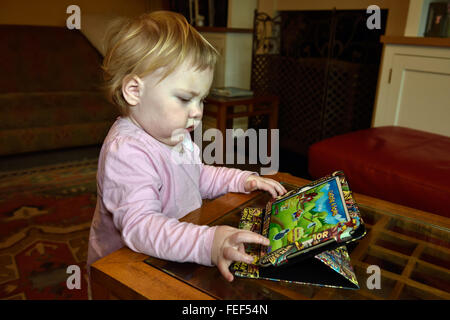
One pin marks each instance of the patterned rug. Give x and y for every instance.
(45, 216)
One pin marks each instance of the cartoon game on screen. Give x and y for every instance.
(310, 216)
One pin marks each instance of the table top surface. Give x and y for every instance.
(411, 248)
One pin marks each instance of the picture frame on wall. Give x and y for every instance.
(438, 24)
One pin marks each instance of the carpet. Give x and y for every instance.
(45, 216)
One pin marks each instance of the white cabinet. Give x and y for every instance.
(414, 88)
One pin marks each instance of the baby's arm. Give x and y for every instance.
(216, 181)
(130, 192)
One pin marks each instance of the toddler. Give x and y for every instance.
(158, 71)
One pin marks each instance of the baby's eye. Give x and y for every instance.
(184, 100)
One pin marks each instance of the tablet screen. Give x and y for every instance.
(307, 215)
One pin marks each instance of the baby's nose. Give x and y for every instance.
(196, 112)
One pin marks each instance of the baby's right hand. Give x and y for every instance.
(228, 246)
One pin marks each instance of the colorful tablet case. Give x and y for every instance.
(308, 229)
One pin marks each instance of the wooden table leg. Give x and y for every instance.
(273, 124)
(222, 126)
(222, 119)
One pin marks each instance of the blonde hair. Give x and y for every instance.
(144, 44)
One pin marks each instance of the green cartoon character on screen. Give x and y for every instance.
(302, 216)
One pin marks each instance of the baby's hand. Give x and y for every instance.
(256, 182)
(228, 246)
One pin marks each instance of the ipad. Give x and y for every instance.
(317, 217)
(307, 216)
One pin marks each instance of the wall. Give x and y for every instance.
(95, 15)
(240, 13)
(53, 12)
(397, 17)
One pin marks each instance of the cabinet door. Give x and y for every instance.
(418, 96)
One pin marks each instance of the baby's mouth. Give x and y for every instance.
(192, 126)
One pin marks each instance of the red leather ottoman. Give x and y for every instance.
(397, 164)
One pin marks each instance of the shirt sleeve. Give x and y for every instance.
(130, 193)
(216, 181)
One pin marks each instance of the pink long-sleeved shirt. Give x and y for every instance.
(142, 191)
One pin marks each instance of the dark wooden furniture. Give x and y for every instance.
(256, 106)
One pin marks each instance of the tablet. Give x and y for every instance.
(309, 218)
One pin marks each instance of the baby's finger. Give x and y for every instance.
(241, 248)
(278, 186)
(245, 236)
(269, 188)
(232, 254)
(223, 268)
(262, 184)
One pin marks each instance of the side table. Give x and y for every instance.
(256, 105)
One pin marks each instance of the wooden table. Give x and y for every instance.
(411, 247)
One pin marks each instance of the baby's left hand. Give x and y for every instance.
(254, 182)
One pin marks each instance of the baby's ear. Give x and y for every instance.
(132, 87)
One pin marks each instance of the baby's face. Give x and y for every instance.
(170, 107)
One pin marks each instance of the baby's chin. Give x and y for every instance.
(177, 136)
